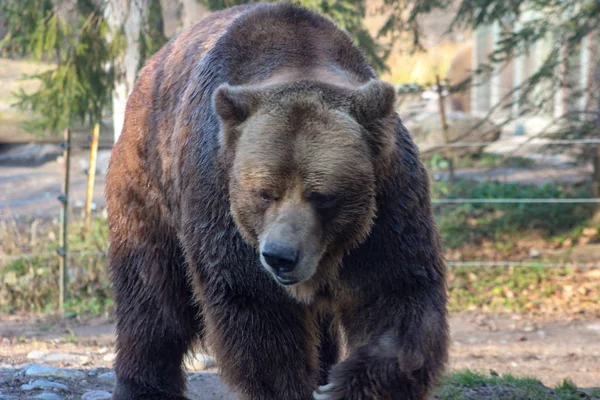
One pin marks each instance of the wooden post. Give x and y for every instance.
(596, 161)
(91, 178)
(449, 155)
(64, 225)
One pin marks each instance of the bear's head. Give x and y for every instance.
(305, 161)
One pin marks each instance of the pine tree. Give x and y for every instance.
(79, 86)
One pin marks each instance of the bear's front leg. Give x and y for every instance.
(398, 347)
(264, 342)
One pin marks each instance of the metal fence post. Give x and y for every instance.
(64, 223)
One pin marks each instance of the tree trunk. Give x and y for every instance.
(128, 16)
(181, 14)
(193, 11)
(595, 87)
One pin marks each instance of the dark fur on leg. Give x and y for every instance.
(264, 345)
(329, 347)
(126, 389)
(391, 296)
(157, 320)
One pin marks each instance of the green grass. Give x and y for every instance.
(470, 385)
(478, 160)
(471, 224)
(487, 160)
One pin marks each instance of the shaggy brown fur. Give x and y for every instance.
(264, 197)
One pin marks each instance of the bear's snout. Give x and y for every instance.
(290, 246)
(282, 258)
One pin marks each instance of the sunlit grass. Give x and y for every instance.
(471, 385)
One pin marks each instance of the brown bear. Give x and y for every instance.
(266, 201)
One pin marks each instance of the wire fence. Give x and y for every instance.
(68, 261)
(476, 263)
(517, 201)
(539, 141)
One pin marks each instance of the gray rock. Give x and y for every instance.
(98, 371)
(44, 384)
(31, 154)
(36, 354)
(199, 362)
(102, 160)
(43, 371)
(66, 357)
(57, 357)
(107, 378)
(96, 395)
(48, 396)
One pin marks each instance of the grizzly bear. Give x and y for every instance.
(265, 201)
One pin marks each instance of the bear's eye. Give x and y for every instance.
(266, 196)
(323, 201)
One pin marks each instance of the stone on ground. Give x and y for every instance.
(43, 384)
(43, 371)
(96, 395)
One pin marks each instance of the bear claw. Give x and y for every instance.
(319, 395)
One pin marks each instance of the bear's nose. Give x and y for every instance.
(281, 258)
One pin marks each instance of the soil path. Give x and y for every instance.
(548, 350)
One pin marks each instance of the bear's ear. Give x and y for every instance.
(372, 105)
(234, 104)
(373, 101)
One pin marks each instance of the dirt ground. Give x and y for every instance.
(32, 189)
(550, 350)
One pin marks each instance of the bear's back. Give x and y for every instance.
(247, 44)
(269, 38)
(170, 122)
